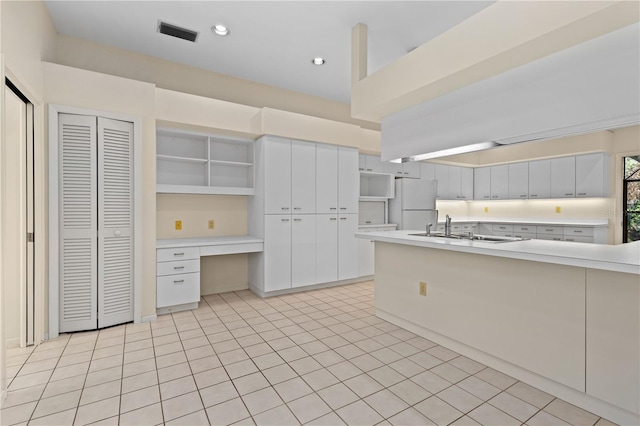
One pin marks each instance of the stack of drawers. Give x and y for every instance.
(178, 276)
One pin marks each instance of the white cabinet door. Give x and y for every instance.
(326, 248)
(393, 168)
(592, 178)
(442, 176)
(427, 171)
(347, 246)
(411, 170)
(362, 162)
(539, 179)
(303, 250)
(277, 176)
(563, 177)
(482, 183)
(277, 252)
(500, 182)
(348, 180)
(519, 181)
(466, 189)
(455, 182)
(303, 177)
(365, 254)
(327, 178)
(374, 164)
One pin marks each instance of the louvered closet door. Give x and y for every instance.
(115, 222)
(78, 219)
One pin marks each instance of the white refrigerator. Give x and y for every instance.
(414, 205)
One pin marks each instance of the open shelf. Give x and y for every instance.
(182, 159)
(376, 186)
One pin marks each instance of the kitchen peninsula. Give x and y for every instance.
(561, 316)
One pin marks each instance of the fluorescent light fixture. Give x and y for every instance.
(318, 61)
(451, 151)
(397, 161)
(220, 30)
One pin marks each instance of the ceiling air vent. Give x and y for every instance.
(178, 32)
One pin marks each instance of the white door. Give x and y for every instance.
(303, 250)
(303, 177)
(347, 246)
(115, 222)
(482, 183)
(539, 179)
(500, 182)
(563, 177)
(277, 252)
(590, 172)
(277, 176)
(365, 255)
(326, 248)
(327, 178)
(77, 136)
(348, 180)
(519, 181)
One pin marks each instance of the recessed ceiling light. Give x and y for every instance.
(318, 61)
(220, 30)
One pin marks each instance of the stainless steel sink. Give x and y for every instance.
(482, 238)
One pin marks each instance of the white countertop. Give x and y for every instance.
(618, 258)
(207, 241)
(597, 222)
(379, 225)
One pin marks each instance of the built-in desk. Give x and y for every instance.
(178, 267)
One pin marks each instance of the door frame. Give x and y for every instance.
(54, 213)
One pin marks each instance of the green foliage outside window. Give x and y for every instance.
(632, 188)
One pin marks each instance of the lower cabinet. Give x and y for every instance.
(326, 243)
(347, 246)
(277, 252)
(303, 250)
(178, 276)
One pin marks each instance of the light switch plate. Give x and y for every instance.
(558, 209)
(211, 224)
(423, 288)
(178, 225)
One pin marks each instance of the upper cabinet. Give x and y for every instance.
(500, 182)
(348, 180)
(326, 178)
(563, 177)
(482, 183)
(592, 175)
(519, 181)
(303, 177)
(540, 179)
(442, 176)
(194, 163)
(370, 163)
(277, 175)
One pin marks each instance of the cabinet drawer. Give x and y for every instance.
(182, 253)
(583, 231)
(462, 227)
(524, 228)
(501, 227)
(527, 235)
(550, 230)
(558, 237)
(503, 233)
(178, 267)
(178, 289)
(578, 239)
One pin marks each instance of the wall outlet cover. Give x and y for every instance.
(423, 288)
(486, 209)
(211, 224)
(558, 209)
(178, 225)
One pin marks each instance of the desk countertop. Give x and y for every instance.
(207, 241)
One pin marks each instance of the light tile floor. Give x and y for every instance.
(320, 357)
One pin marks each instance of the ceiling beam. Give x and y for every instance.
(501, 37)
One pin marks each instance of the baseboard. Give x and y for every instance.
(580, 399)
(12, 343)
(176, 308)
(309, 287)
(149, 318)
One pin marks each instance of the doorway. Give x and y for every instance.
(18, 216)
(631, 199)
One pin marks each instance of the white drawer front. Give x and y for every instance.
(527, 235)
(578, 239)
(578, 231)
(178, 267)
(524, 228)
(178, 289)
(502, 227)
(549, 230)
(183, 253)
(550, 237)
(503, 233)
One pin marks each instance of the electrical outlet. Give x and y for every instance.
(558, 209)
(178, 225)
(211, 224)
(486, 209)
(423, 288)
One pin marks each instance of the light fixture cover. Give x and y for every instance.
(221, 30)
(318, 61)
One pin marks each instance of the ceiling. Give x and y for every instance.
(271, 42)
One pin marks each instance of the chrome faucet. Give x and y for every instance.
(429, 229)
(447, 226)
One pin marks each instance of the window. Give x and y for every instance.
(631, 199)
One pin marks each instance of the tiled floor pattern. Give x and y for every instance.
(319, 357)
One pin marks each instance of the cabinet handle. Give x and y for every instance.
(369, 170)
(285, 220)
(533, 195)
(577, 231)
(557, 239)
(332, 208)
(178, 254)
(332, 218)
(297, 208)
(406, 173)
(525, 229)
(297, 220)
(549, 230)
(569, 193)
(178, 267)
(178, 281)
(343, 208)
(343, 218)
(523, 196)
(361, 168)
(582, 193)
(495, 196)
(285, 208)
(368, 222)
(486, 196)
(568, 239)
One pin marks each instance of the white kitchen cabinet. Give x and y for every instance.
(466, 183)
(563, 177)
(518, 181)
(376, 185)
(442, 176)
(427, 170)
(347, 246)
(482, 183)
(348, 180)
(370, 163)
(500, 182)
(455, 182)
(393, 168)
(277, 252)
(277, 175)
(592, 175)
(411, 169)
(326, 248)
(540, 179)
(303, 250)
(327, 178)
(303, 177)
